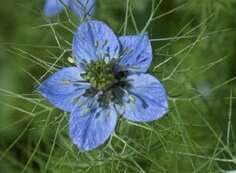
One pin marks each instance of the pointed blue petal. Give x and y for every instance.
(94, 40)
(53, 7)
(137, 52)
(63, 88)
(83, 8)
(90, 128)
(147, 100)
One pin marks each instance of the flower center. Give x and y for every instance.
(108, 81)
(100, 74)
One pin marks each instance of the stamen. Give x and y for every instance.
(135, 67)
(100, 75)
(65, 82)
(86, 111)
(75, 100)
(81, 104)
(131, 98)
(105, 78)
(71, 60)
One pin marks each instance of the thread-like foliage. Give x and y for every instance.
(193, 46)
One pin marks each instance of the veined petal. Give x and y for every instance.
(83, 8)
(91, 127)
(53, 7)
(137, 52)
(64, 88)
(147, 100)
(94, 40)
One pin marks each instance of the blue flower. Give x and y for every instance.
(109, 79)
(83, 8)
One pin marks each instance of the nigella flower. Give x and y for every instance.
(83, 8)
(109, 79)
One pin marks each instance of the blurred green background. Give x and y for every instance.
(194, 57)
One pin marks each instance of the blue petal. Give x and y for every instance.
(63, 88)
(83, 8)
(91, 127)
(137, 52)
(147, 100)
(53, 7)
(94, 40)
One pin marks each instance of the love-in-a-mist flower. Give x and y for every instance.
(109, 80)
(83, 8)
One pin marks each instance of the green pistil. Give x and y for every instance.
(100, 75)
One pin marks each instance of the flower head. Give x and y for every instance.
(83, 8)
(109, 79)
